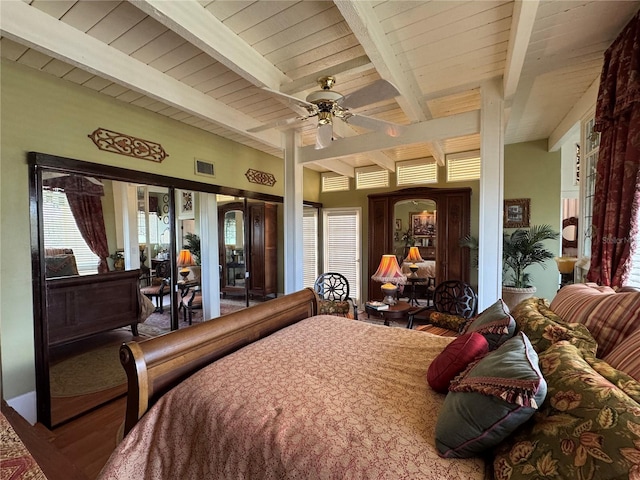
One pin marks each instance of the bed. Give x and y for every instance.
(276, 391)
(426, 269)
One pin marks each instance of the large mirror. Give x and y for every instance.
(232, 249)
(416, 225)
(117, 256)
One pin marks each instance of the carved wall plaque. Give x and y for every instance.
(123, 144)
(261, 178)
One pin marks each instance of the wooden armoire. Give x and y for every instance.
(256, 260)
(453, 222)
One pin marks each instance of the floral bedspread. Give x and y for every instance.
(328, 397)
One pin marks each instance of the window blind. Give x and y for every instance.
(463, 166)
(333, 182)
(342, 246)
(371, 177)
(416, 172)
(61, 231)
(310, 246)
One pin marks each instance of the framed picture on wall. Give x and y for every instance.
(185, 205)
(398, 224)
(423, 224)
(516, 213)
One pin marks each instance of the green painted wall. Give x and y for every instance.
(45, 114)
(530, 171)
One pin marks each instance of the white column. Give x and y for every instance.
(130, 227)
(293, 212)
(491, 193)
(209, 260)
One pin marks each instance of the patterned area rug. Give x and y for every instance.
(160, 323)
(15, 460)
(89, 372)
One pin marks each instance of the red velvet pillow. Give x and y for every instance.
(454, 358)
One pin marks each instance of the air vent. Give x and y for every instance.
(205, 168)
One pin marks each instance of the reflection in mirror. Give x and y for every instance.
(232, 248)
(91, 287)
(415, 225)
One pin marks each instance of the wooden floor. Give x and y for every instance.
(89, 440)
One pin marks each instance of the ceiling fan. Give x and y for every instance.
(327, 104)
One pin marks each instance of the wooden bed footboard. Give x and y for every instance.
(156, 365)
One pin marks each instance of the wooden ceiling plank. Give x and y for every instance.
(12, 50)
(138, 36)
(456, 22)
(84, 15)
(575, 115)
(296, 13)
(121, 19)
(191, 66)
(57, 68)
(327, 62)
(196, 25)
(254, 14)
(158, 47)
(34, 59)
(366, 27)
(175, 57)
(55, 9)
(328, 50)
(42, 32)
(303, 36)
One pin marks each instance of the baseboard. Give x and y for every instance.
(26, 406)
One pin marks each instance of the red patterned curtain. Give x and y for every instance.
(84, 197)
(617, 188)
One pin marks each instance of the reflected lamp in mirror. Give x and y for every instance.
(390, 275)
(412, 258)
(185, 260)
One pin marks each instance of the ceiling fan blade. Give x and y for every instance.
(376, 92)
(276, 124)
(291, 100)
(324, 135)
(370, 123)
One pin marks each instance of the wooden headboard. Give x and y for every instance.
(156, 365)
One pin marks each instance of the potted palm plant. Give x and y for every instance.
(522, 249)
(192, 243)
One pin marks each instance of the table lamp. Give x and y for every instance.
(412, 258)
(390, 275)
(565, 267)
(185, 260)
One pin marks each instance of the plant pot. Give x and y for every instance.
(512, 296)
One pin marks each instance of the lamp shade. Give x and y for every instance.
(389, 271)
(185, 258)
(414, 255)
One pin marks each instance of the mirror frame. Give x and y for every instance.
(38, 162)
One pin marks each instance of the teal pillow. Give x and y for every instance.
(495, 323)
(490, 399)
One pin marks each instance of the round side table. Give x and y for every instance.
(399, 311)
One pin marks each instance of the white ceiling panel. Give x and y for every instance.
(438, 52)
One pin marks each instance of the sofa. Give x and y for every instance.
(580, 418)
(588, 427)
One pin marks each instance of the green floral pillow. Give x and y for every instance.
(586, 429)
(544, 328)
(448, 321)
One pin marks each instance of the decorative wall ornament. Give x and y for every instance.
(261, 178)
(123, 144)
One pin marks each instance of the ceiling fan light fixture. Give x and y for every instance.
(325, 118)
